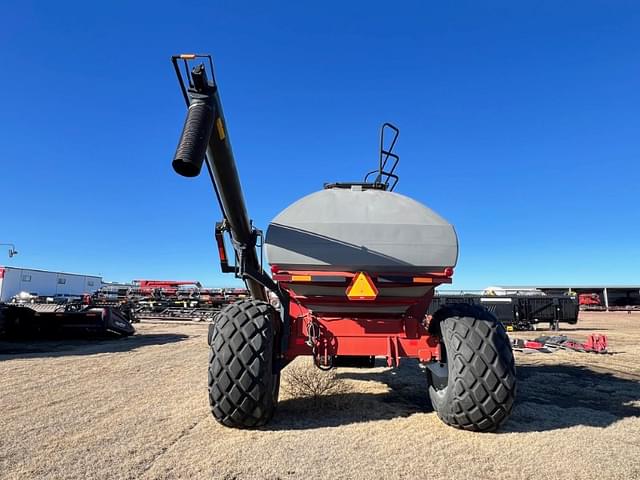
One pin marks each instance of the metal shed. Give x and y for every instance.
(14, 280)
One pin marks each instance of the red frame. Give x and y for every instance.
(340, 332)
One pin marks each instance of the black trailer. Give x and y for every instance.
(522, 312)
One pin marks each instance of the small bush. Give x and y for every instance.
(304, 380)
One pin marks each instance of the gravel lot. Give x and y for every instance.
(137, 408)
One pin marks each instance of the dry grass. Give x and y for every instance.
(137, 408)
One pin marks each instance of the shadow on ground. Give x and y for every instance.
(550, 397)
(406, 396)
(77, 346)
(553, 397)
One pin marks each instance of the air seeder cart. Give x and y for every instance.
(354, 267)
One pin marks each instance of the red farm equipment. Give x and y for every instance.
(353, 267)
(175, 300)
(590, 301)
(167, 287)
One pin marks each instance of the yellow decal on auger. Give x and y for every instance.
(220, 128)
(362, 288)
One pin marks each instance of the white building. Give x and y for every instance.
(14, 280)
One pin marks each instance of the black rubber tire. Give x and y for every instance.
(481, 383)
(243, 388)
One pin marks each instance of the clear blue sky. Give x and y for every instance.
(520, 124)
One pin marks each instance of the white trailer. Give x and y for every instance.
(14, 280)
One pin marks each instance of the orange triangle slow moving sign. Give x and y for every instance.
(362, 288)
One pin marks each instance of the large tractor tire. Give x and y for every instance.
(243, 387)
(476, 386)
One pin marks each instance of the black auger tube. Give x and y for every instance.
(194, 139)
(205, 131)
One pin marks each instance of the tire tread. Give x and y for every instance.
(240, 376)
(482, 382)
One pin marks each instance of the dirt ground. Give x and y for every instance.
(137, 408)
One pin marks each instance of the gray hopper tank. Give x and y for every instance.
(360, 230)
